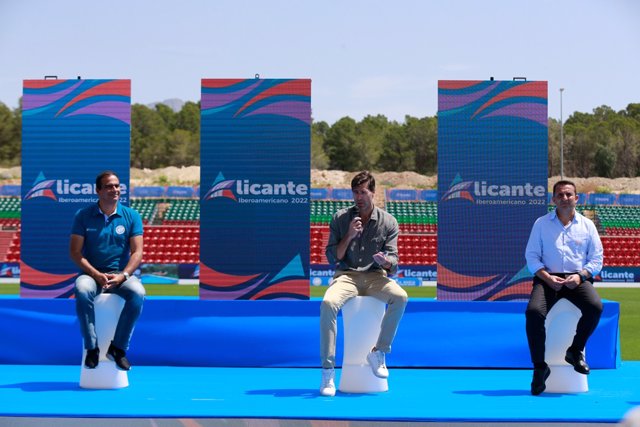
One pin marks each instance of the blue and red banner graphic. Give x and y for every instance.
(71, 131)
(492, 185)
(255, 188)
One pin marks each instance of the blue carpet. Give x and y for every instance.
(435, 395)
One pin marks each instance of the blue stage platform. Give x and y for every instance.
(203, 397)
(247, 363)
(184, 332)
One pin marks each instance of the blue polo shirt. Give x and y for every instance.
(106, 242)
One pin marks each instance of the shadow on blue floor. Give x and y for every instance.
(415, 395)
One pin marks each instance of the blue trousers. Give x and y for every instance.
(86, 290)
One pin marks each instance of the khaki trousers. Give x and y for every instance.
(349, 284)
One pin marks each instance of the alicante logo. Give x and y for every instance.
(54, 189)
(63, 190)
(481, 192)
(245, 191)
(459, 190)
(221, 188)
(42, 187)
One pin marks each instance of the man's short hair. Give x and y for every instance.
(361, 178)
(102, 175)
(564, 182)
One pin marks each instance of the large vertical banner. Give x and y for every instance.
(492, 185)
(71, 131)
(254, 196)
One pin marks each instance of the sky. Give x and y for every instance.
(363, 57)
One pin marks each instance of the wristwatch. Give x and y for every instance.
(583, 278)
(126, 275)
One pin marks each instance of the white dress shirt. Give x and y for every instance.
(564, 249)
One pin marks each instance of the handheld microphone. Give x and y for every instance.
(356, 213)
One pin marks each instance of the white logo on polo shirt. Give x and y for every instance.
(120, 229)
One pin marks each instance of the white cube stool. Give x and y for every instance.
(560, 325)
(361, 318)
(106, 375)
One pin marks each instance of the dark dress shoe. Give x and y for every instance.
(92, 358)
(576, 359)
(119, 356)
(540, 375)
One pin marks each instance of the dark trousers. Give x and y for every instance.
(544, 297)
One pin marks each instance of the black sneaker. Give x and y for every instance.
(92, 358)
(540, 375)
(576, 358)
(119, 356)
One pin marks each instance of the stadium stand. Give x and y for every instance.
(171, 244)
(319, 237)
(618, 220)
(172, 233)
(147, 208)
(9, 209)
(182, 212)
(415, 217)
(9, 229)
(9, 246)
(323, 210)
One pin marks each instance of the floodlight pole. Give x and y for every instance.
(561, 138)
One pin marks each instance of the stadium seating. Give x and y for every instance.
(10, 207)
(9, 229)
(147, 208)
(172, 233)
(415, 217)
(323, 210)
(621, 251)
(182, 212)
(9, 223)
(414, 212)
(618, 220)
(418, 249)
(319, 237)
(9, 246)
(169, 244)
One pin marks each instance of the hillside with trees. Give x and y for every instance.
(603, 143)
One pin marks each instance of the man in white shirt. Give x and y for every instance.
(564, 252)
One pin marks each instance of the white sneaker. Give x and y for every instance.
(328, 387)
(376, 361)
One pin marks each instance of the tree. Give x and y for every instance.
(633, 111)
(603, 142)
(580, 152)
(319, 159)
(188, 118)
(605, 161)
(148, 135)
(10, 136)
(625, 139)
(422, 140)
(340, 145)
(167, 115)
(554, 147)
(186, 151)
(396, 153)
(369, 139)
